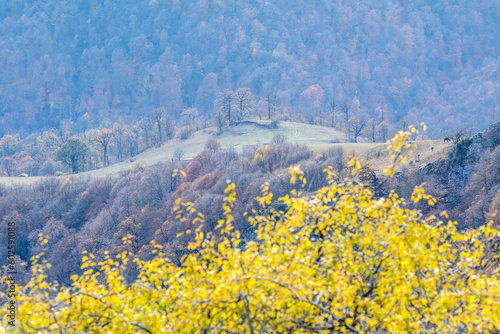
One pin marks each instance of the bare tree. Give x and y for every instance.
(279, 139)
(225, 103)
(405, 121)
(85, 124)
(457, 136)
(169, 128)
(333, 110)
(158, 115)
(132, 136)
(245, 101)
(145, 125)
(272, 102)
(178, 154)
(344, 108)
(103, 138)
(219, 119)
(383, 131)
(356, 126)
(119, 134)
(65, 130)
(188, 116)
(213, 145)
(372, 129)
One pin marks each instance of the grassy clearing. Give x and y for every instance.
(298, 133)
(257, 133)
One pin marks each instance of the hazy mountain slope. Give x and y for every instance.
(434, 61)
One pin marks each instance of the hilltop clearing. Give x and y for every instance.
(257, 133)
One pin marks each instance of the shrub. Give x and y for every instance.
(313, 269)
(335, 158)
(279, 139)
(213, 145)
(296, 153)
(178, 154)
(185, 133)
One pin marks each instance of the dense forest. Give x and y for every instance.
(82, 64)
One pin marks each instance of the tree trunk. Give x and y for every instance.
(159, 132)
(74, 167)
(105, 152)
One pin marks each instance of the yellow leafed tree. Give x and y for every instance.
(338, 261)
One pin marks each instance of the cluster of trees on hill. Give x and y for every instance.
(69, 149)
(73, 149)
(94, 62)
(78, 147)
(340, 260)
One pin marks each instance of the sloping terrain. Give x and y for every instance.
(248, 133)
(245, 134)
(466, 183)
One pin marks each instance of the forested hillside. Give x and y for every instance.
(336, 260)
(94, 63)
(80, 214)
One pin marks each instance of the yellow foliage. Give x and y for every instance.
(68, 181)
(337, 261)
(320, 156)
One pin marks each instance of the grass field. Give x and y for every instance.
(318, 138)
(377, 156)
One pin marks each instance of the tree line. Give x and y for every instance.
(80, 147)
